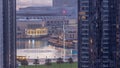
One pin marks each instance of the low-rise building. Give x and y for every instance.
(36, 32)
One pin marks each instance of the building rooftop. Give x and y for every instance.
(47, 11)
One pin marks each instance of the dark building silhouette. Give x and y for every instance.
(97, 34)
(9, 31)
(1, 36)
(118, 35)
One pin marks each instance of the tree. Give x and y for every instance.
(24, 62)
(60, 60)
(48, 62)
(70, 60)
(36, 61)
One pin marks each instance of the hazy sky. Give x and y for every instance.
(24, 3)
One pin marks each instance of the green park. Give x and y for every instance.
(53, 65)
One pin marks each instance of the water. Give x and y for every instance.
(31, 44)
(35, 48)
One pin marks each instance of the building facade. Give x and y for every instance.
(86, 34)
(97, 34)
(9, 30)
(118, 35)
(1, 34)
(37, 32)
(26, 28)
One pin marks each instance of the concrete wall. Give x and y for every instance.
(1, 34)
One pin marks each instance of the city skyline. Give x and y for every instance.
(60, 34)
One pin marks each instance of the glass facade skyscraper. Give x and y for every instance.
(97, 24)
(7, 33)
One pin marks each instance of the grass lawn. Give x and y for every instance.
(54, 65)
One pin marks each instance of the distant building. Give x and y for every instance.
(65, 3)
(36, 32)
(71, 32)
(53, 17)
(25, 25)
(7, 34)
(36, 12)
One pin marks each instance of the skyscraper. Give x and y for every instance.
(97, 33)
(1, 36)
(7, 34)
(86, 33)
(118, 36)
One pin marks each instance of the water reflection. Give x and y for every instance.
(31, 43)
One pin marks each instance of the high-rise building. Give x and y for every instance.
(7, 34)
(64, 3)
(97, 47)
(118, 35)
(1, 36)
(86, 30)
(107, 15)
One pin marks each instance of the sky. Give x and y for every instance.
(26, 3)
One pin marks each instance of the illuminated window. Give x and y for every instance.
(91, 40)
(83, 17)
(117, 26)
(82, 13)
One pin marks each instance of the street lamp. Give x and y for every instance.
(64, 42)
